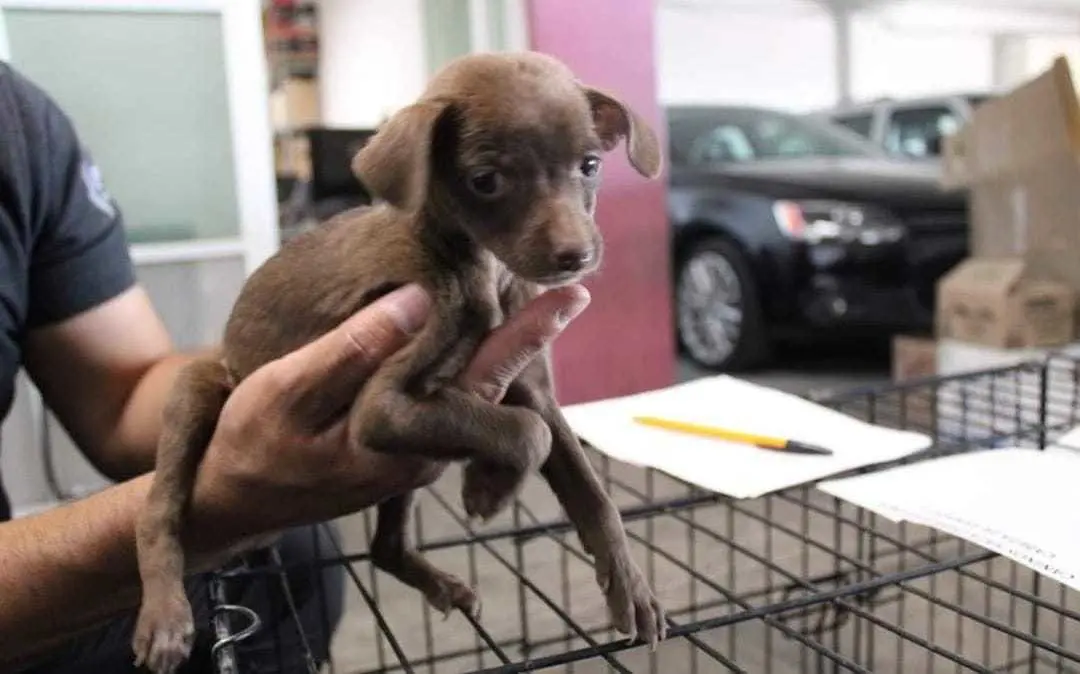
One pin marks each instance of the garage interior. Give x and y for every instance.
(867, 204)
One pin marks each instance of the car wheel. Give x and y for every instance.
(717, 311)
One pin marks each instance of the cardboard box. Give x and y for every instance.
(1005, 303)
(292, 155)
(294, 104)
(1019, 155)
(913, 357)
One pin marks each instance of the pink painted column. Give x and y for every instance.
(623, 343)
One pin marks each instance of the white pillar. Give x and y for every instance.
(479, 27)
(1009, 59)
(515, 28)
(5, 47)
(842, 16)
(517, 25)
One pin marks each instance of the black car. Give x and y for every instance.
(784, 224)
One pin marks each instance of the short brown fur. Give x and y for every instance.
(485, 195)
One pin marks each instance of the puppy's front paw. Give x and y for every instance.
(633, 608)
(487, 489)
(164, 634)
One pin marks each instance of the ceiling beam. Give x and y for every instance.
(1069, 8)
(1056, 7)
(853, 5)
(787, 7)
(960, 17)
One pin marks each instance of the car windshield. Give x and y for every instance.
(722, 135)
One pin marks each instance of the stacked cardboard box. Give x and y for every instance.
(292, 156)
(291, 37)
(1020, 158)
(913, 357)
(294, 104)
(294, 108)
(1017, 295)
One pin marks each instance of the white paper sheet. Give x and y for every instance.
(734, 469)
(1070, 442)
(1019, 503)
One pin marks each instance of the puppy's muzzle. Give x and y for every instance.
(568, 265)
(572, 260)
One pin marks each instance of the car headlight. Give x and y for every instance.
(817, 221)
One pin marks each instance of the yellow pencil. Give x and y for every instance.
(762, 441)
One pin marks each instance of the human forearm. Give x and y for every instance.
(131, 442)
(105, 375)
(73, 567)
(67, 569)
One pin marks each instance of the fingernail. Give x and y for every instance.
(407, 307)
(579, 300)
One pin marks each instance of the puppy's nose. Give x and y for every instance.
(573, 259)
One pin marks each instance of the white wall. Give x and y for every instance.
(371, 59)
(762, 57)
(898, 62)
(1042, 51)
(784, 56)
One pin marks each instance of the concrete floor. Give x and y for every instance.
(695, 556)
(816, 368)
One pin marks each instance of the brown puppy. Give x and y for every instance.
(488, 188)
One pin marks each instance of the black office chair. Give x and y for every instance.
(333, 187)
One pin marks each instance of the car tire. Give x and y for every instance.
(718, 316)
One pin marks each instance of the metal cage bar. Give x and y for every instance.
(796, 581)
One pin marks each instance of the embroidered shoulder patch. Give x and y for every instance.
(95, 187)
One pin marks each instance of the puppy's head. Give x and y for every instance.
(509, 148)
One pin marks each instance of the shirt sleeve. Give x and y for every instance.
(80, 257)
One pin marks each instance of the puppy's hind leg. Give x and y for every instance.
(164, 631)
(392, 552)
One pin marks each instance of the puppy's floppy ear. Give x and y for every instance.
(395, 164)
(615, 120)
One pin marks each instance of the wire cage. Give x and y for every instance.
(797, 581)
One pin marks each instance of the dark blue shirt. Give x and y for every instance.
(63, 248)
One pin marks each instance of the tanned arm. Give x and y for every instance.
(68, 569)
(79, 556)
(105, 375)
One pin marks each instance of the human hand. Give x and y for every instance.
(280, 458)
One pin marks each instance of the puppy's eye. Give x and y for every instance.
(487, 182)
(590, 166)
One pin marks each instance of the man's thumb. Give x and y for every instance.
(330, 370)
(510, 348)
